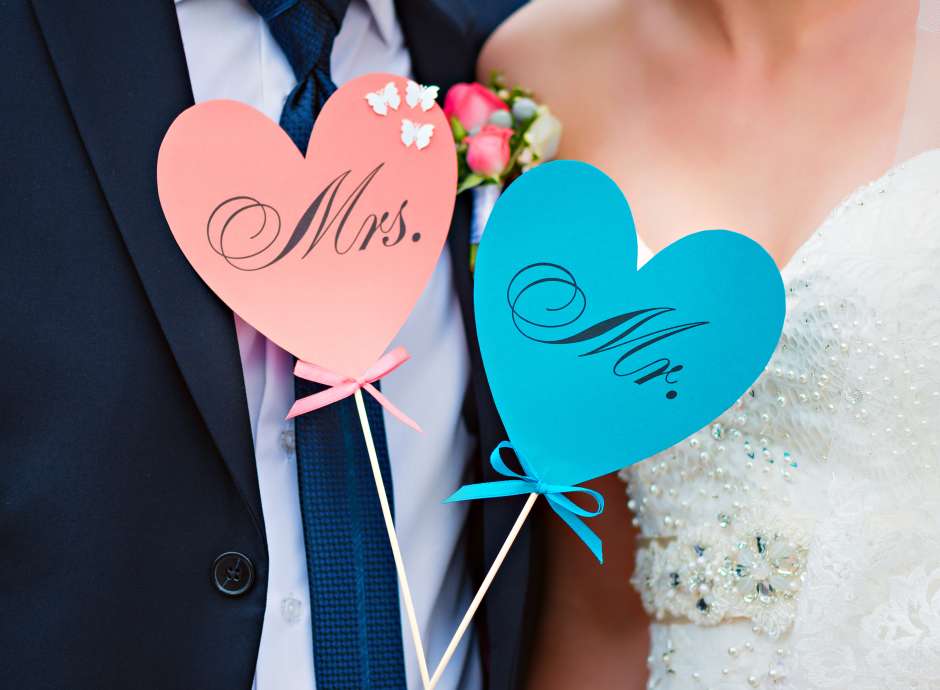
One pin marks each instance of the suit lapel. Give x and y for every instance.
(123, 71)
(439, 36)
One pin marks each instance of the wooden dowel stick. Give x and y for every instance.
(484, 586)
(393, 541)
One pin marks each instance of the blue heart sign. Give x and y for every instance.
(593, 364)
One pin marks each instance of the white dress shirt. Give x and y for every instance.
(230, 54)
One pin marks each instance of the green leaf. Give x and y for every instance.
(514, 153)
(470, 181)
(459, 132)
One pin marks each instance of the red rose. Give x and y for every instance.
(472, 104)
(488, 150)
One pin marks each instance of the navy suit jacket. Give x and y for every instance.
(127, 460)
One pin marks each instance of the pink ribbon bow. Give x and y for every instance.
(344, 386)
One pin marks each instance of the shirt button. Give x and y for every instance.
(233, 574)
(287, 440)
(292, 609)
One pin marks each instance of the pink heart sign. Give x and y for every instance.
(324, 254)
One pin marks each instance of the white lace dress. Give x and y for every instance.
(795, 542)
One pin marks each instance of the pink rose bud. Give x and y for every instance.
(488, 150)
(472, 104)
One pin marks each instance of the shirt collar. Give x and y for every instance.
(383, 14)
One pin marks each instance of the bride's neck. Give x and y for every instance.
(762, 33)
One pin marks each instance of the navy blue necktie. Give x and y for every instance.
(357, 636)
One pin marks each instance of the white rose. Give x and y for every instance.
(544, 135)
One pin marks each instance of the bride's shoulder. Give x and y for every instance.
(535, 45)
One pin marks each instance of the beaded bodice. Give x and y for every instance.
(795, 542)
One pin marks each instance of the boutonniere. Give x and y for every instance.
(499, 133)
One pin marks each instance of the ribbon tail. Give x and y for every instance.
(321, 399)
(390, 406)
(585, 533)
(317, 374)
(386, 364)
(498, 489)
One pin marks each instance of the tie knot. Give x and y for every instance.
(304, 29)
(269, 9)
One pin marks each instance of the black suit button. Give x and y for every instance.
(233, 574)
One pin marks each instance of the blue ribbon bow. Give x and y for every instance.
(529, 483)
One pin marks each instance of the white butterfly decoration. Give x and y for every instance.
(417, 94)
(383, 99)
(416, 133)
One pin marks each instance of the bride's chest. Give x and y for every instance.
(829, 460)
